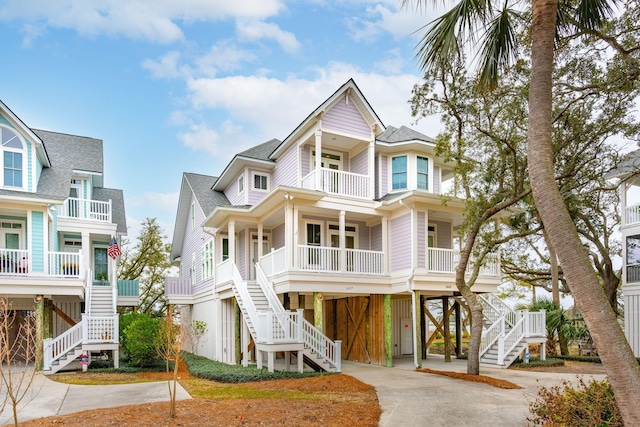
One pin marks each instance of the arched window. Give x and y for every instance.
(12, 149)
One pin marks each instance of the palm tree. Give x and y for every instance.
(493, 27)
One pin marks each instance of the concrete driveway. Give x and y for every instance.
(411, 398)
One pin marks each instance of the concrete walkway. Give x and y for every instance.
(47, 398)
(411, 398)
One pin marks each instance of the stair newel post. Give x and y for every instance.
(46, 353)
(85, 328)
(501, 342)
(270, 327)
(527, 326)
(300, 332)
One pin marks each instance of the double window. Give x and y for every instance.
(260, 182)
(12, 162)
(409, 172)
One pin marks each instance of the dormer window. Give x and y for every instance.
(12, 161)
(423, 173)
(260, 182)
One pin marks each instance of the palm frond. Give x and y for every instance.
(592, 13)
(441, 43)
(500, 47)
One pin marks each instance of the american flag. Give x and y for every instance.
(114, 250)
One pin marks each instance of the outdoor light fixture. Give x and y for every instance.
(37, 299)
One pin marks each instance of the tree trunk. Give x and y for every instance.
(620, 364)
(555, 289)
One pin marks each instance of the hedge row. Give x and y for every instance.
(201, 367)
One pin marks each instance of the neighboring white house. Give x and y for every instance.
(629, 174)
(341, 223)
(56, 223)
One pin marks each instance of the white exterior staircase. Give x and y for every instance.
(507, 333)
(97, 331)
(275, 329)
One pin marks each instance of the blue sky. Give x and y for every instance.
(173, 86)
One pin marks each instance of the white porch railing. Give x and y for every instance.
(177, 286)
(14, 261)
(633, 273)
(365, 262)
(87, 209)
(446, 260)
(491, 335)
(494, 308)
(631, 215)
(65, 264)
(224, 272)
(339, 182)
(99, 329)
(277, 328)
(318, 258)
(55, 348)
(274, 262)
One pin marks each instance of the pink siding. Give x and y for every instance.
(192, 243)
(443, 234)
(241, 254)
(306, 161)
(421, 238)
(286, 171)
(255, 196)
(436, 180)
(232, 191)
(400, 235)
(383, 176)
(359, 162)
(376, 237)
(363, 236)
(344, 117)
(278, 237)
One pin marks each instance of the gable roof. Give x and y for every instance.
(257, 156)
(200, 186)
(349, 87)
(74, 152)
(27, 132)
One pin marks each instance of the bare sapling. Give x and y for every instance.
(171, 338)
(19, 356)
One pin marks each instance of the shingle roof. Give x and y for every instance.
(207, 198)
(629, 166)
(261, 151)
(403, 134)
(72, 151)
(119, 216)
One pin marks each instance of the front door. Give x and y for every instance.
(266, 247)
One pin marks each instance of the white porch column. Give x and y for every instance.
(318, 159)
(623, 203)
(296, 240)
(288, 236)
(385, 245)
(343, 242)
(371, 168)
(86, 253)
(260, 237)
(232, 241)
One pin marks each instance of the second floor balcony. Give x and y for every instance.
(86, 209)
(339, 182)
(16, 262)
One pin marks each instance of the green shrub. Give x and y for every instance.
(535, 361)
(140, 340)
(588, 404)
(124, 321)
(201, 367)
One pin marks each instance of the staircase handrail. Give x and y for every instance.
(55, 348)
(499, 308)
(511, 339)
(318, 342)
(491, 336)
(327, 349)
(242, 294)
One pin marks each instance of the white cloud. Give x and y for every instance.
(137, 19)
(257, 30)
(272, 108)
(400, 23)
(394, 63)
(167, 66)
(164, 206)
(201, 137)
(223, 56)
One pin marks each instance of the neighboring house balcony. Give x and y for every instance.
(340, 183)
(86, 209)
(16, 262)
(128, 293)
(178, 290)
